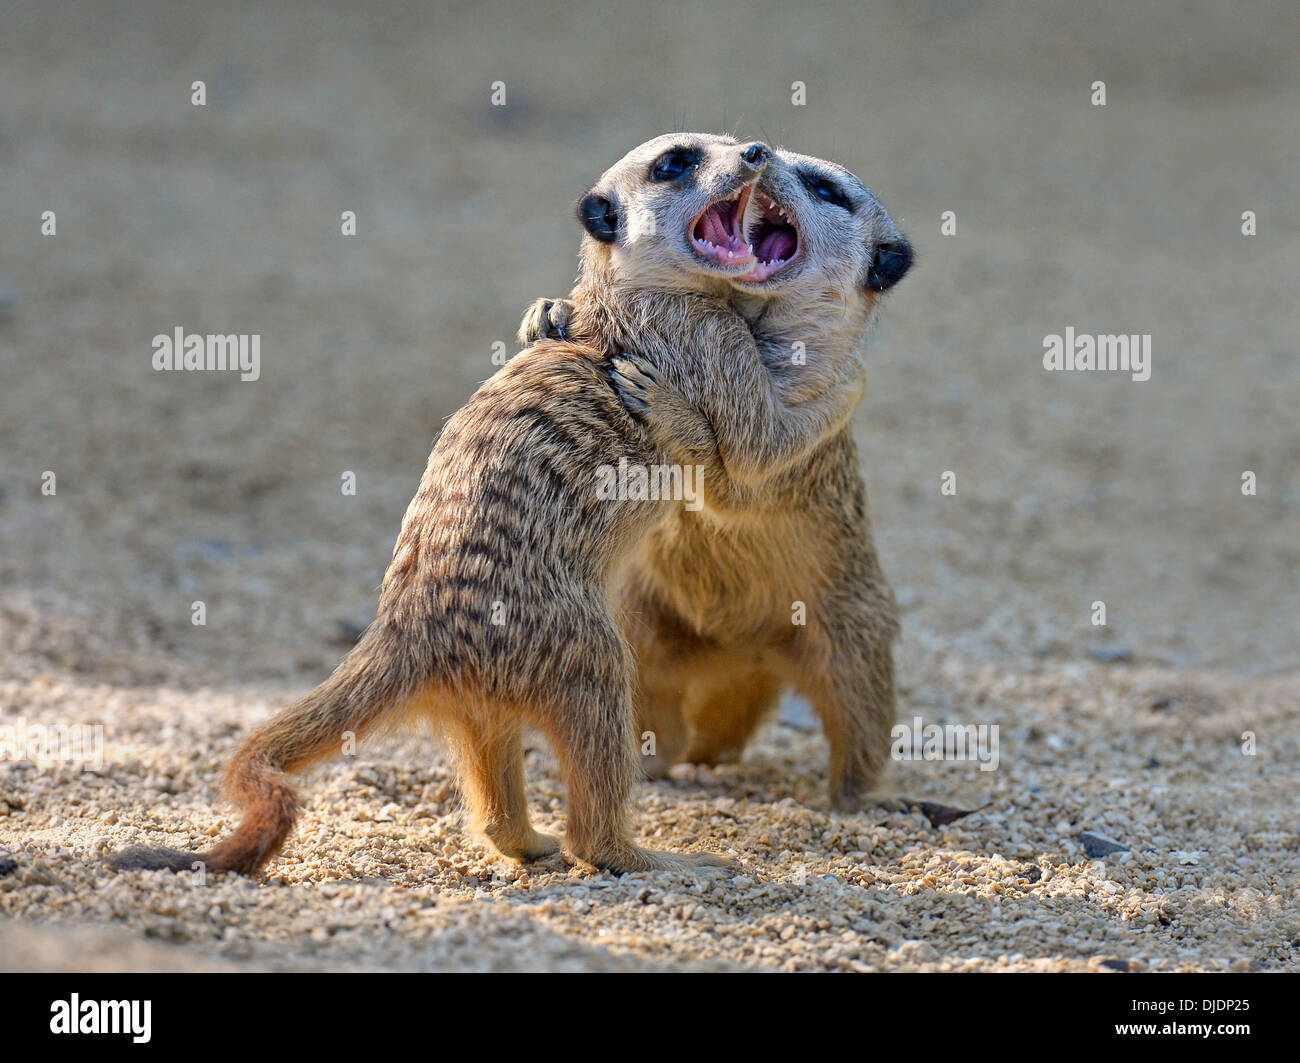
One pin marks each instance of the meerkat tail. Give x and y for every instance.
(374, 680)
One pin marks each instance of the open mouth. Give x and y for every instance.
(748, 233)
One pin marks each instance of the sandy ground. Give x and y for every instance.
(1071, 488)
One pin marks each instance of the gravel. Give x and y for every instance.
(179, 488)
(381, 874)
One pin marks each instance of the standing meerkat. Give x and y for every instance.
(714, 597)
(497, 610)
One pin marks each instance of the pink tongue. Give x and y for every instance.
(714, 231)
(777, 244)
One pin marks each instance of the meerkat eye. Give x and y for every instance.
(673, 164)
(826, 189)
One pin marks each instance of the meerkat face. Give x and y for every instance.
(708, 212)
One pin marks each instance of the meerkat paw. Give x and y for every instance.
(545, 319)
(656, 767)
(525, 850)
(635, 380)
(654, 402)
(664, 411)
(855, 799)
(713, 861)
(626, 859)
(885, 803)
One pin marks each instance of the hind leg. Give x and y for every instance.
(725, 709)
(852, 690)
(590, 725)
(667, 656)
(661, 733)
(701, 702)
(491, 758)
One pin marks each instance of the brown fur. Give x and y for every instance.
(497, 609)
(709, 595)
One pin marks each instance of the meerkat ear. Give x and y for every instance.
(892, 260)
(599, 216)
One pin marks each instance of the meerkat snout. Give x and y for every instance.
(756, 155)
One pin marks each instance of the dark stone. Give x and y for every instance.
(1098, 845)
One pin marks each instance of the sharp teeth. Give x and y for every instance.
(754, 213)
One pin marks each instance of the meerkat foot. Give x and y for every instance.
(881, 802)
(713, 758)
(527, 849)
(656, 767)
(626, 859)
(708, 861)
(847, 797)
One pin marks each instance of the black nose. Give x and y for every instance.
(756, 155)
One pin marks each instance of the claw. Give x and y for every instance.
(638, 365)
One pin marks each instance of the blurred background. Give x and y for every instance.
(1072, 488)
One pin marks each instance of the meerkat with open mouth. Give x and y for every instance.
(499, 609)
(774, 583)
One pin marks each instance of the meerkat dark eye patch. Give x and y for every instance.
(891, 261)
(825, 189)
(674, 164)
(599, 217)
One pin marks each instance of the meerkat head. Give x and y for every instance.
(698, 211)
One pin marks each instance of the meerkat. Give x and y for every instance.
(498, 610)
(775, 583)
